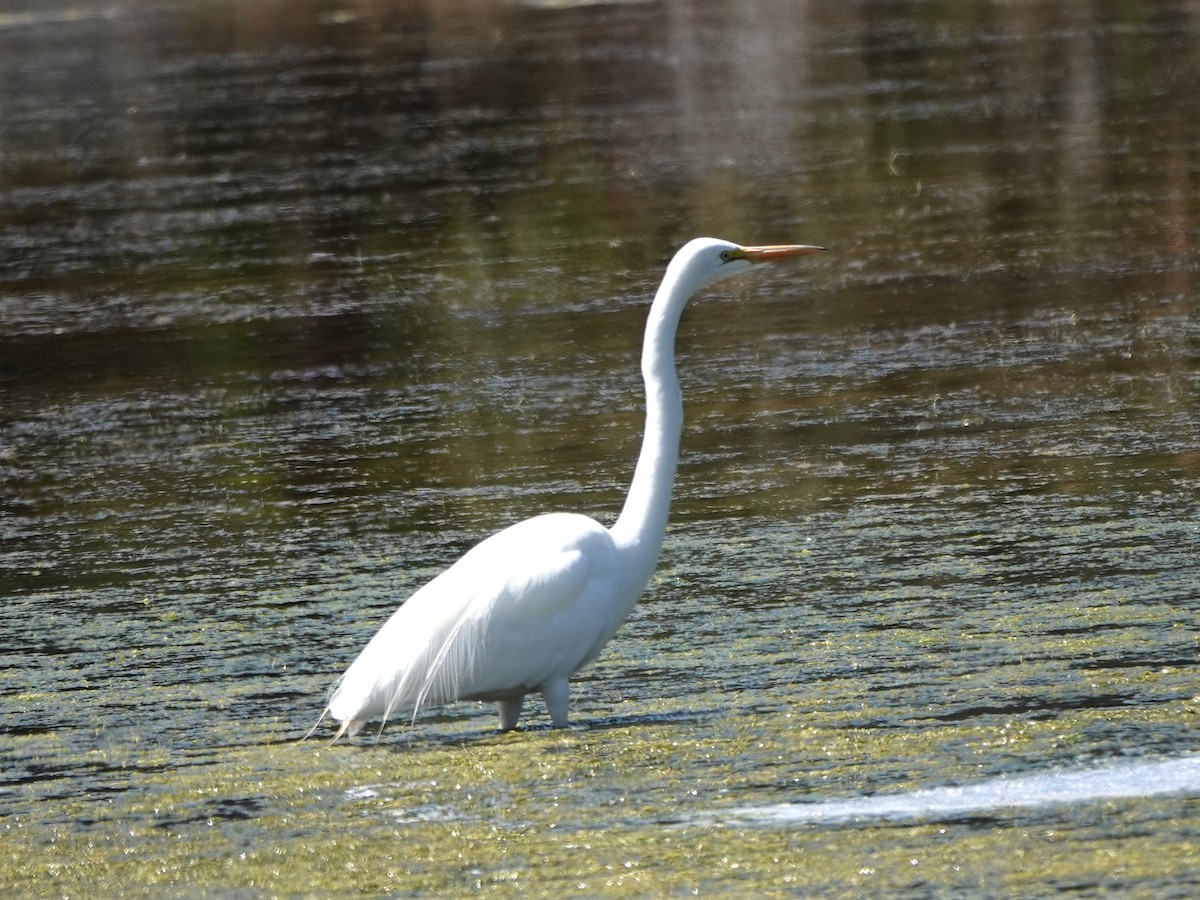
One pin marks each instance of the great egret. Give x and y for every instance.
(530, 606)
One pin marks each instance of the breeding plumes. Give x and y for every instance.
(527, 608)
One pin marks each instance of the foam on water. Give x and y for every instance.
(1142, 779)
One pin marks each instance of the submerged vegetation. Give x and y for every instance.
(633, 807)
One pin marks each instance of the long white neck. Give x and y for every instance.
(639, 530)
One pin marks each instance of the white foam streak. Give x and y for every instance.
(1146, 779)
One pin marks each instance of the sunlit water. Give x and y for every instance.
(297, 302)
(1087, 786)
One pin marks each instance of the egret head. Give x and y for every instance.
(710, 259)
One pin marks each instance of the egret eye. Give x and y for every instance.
(726, 255)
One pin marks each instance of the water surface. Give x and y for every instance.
(299, 301)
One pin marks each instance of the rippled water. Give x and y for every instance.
(298, 301)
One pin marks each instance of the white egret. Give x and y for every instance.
(529, 607)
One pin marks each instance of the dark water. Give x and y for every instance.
(300, 300)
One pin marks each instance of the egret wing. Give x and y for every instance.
(485, 626)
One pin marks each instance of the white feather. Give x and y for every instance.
(527, 608)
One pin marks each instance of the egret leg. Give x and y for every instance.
(510, 711)
(557, 697)
(349, 727)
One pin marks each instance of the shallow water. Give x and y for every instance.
(298, 301)
(1083, 786)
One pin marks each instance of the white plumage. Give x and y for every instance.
(527, 608)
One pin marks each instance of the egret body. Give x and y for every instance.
(527, 608)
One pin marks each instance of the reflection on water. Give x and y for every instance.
(299, 300)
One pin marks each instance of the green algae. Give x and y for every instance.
(643, 801)
(630, 809)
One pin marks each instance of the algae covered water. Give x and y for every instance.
(299, 301)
